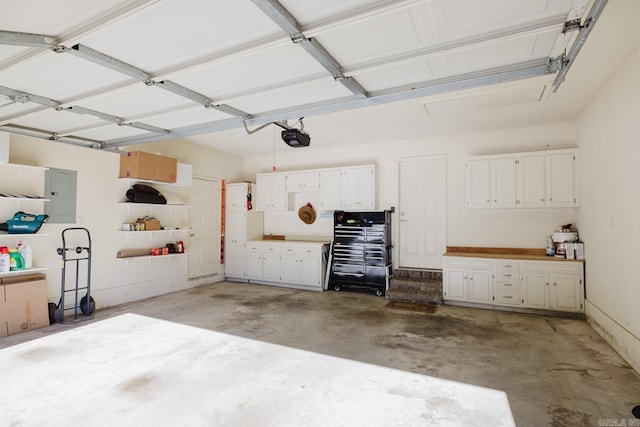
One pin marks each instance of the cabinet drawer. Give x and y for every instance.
(508, 275)
(506, 264)
(268, 249)
(506, 296)
(254, 249)
(507, 286)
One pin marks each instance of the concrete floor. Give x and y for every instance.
(555, 371)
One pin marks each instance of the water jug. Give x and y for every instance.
(26, 252)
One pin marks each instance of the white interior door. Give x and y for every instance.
(204, 244)
(422, 212)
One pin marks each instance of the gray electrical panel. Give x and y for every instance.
(60, 187)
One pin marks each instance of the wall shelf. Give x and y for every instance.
(148, 181)
(23, 272)
(149, 257)
(23, 234)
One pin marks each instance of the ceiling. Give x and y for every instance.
(114, 74)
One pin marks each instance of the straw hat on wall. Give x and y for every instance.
(307, 214)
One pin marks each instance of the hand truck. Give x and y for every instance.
(77, 254)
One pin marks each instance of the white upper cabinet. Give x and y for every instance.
(562, 185)
(479, 183)
(503, 182)
(532, 181)
(272, 195)
(358, 188)
(349, 188)
(236, 197)
(303, 181)
(524, 180)
(330, 189)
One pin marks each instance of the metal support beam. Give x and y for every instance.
(146, 127)
(583, 33)
(96, 57)
(285, 20)
(114, 119)
(139, 74)
(52, 136)
(184, 92)
(24, 97)
(489, 77)
(24, 39)
(102, 116)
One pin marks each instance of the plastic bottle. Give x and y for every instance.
(5, 259)
(17, 262)
(26, 252)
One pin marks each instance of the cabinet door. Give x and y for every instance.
(235, 228)
(310, 262)
(235, 258)
(503, 182)
(271, 267)
(561, 184)
(531, 182)
(290, 268)
(271, 192)
(303, 181)
(358, 188)
(478, 183)
(455, 284)
(480, 286)
(535, 289)
(236, 197)
(565, 292)
(253, 267)
(330, 190)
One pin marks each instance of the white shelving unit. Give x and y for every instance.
(174, 216)
(23, 192)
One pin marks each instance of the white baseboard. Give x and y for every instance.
(624, 342)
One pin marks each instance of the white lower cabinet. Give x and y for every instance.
(544, 285)
(253, 261)
(290, 264)
(556, 286)
(300, 265)
(468, 280)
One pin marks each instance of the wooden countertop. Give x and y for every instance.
(532, 254)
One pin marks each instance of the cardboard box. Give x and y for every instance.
(25, 305)
(150, 225)
(141, 165)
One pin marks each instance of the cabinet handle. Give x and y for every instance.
(508, 284)
(507, 275)
(507, 297)
(555, 284)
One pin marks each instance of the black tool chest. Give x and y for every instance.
(361, 255)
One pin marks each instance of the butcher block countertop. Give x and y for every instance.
(532, 254)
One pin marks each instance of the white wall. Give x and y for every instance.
(113, 281)
(465, 227)
(607, 135)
